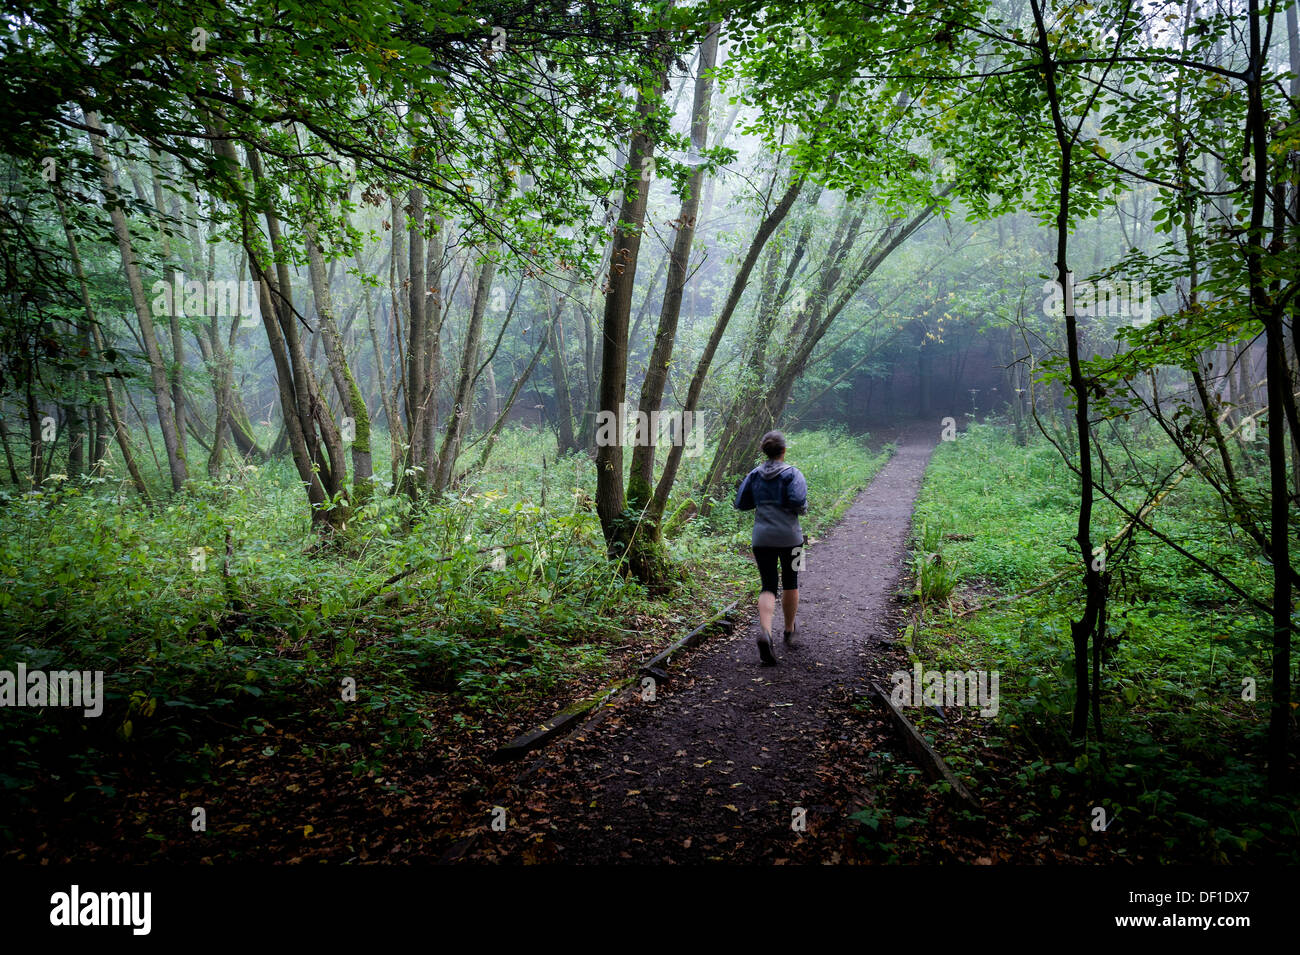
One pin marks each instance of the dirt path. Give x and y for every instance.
(718, 765)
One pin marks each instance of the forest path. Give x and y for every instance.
(718, 765)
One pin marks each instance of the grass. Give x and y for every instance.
(1182, 761)
(217, 613)
(934, 574)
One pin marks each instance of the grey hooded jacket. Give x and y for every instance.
(778, 494)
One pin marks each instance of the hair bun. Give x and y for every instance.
(773, 444)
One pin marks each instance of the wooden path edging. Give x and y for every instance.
(566, 720)
(929, 761)
(571, 716)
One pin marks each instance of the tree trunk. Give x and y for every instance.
(738, 285)
(640, 487)
(300, 401)
(178, 339)
(1269, 312)
(1083, 630)
(566, 439)
(418, 398)
(92, 325)
(618, 525)
(354, 405)
(463, 397)
(157, 366)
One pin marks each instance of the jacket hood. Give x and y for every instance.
(771, 469)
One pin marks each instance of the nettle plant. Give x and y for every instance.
(935, 576)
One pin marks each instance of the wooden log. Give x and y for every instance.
(661, 659)
(931, 763)
(571, 716)
(556, 726)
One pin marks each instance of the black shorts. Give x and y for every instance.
(769, 557)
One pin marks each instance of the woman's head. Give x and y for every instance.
(773, 444)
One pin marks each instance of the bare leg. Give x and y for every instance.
(766, 609)
(789, 606)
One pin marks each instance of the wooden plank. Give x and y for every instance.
(661, 659)
(931, 763)
(556, 726)
(564, 721)
(595, 717)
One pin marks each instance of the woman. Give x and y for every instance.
(778, 494)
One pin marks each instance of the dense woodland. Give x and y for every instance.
(326, 329)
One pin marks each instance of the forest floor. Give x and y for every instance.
(729, 762)
(732, 761)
